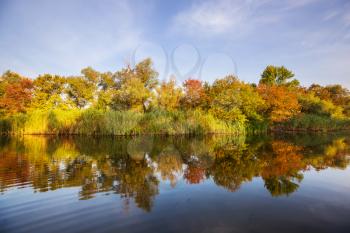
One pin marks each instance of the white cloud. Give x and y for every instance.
(212, 17)
(292, 4)
(217, 17)
(331, 15)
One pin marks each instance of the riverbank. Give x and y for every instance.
(312, 123)
(98, 122)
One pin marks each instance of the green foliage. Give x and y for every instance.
(132, 96)
(313, 105)
(98, 122)
(135, 86)
(312, 122)
(190, 122)
(235, 101)
(278, 75)
(80, 91)
(335, 94)
(48, 91)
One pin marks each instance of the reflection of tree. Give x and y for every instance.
(335, 155)
(169, 164)
(129, 165)
(136, 180)
(139, 146)
(198, 158)
(234, 165)
(194, 174)
(282, 168)
(14, 169)
(282, 185)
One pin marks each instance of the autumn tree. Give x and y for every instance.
(278, 75)
(233, 100)
(82, 89)
(194, 93)
(312, 104)
(336, 94)
(134, 86)
(132, 95)
(168, 95)
(282, 103)
(48, 92)
(282, 170)
(106, 90)
(15, 93)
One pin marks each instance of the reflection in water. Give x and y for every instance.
(169, 164)
(134, 167)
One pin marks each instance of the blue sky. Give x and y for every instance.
(202, 39)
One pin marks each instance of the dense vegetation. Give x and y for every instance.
(134, 101)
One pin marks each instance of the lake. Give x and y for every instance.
(217, 183)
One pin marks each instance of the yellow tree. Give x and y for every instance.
(134, 86)
(48, 92)
(233, 100)
(168, 95)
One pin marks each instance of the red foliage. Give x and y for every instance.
(194, 92)
(17, 96)
(194, 174)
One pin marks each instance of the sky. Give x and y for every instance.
(205, 39)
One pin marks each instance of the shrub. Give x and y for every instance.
(312, 122)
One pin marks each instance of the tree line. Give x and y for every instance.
(278, 100)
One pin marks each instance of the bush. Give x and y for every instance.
(315, 106)
(312, 122)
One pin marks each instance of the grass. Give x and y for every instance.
(311, 122)
(98, 122)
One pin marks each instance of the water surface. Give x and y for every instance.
(287, 183)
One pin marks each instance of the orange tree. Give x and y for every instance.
(16, 93)
(282, 102)
(194, 93)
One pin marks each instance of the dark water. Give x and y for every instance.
(175, 184)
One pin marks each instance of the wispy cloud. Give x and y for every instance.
(68, 35)
(293, 4)
(211, 17)
(217, 17)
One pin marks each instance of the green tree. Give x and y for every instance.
(82, 89)
(336, 94)
(233, 100)
(278, 75)
(312, 104)
(134, 86)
